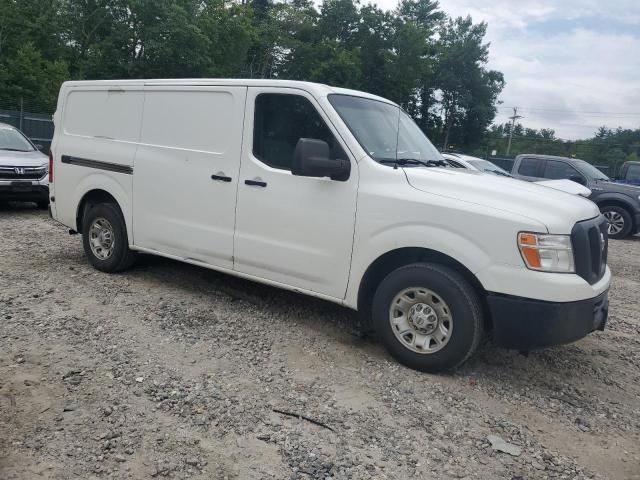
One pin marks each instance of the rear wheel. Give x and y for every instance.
(619, 219)
(104, 237)
(428, 317)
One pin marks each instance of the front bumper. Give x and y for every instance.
(24, 191)
(526, 324)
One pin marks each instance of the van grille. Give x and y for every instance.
(590, 247)
(22, 173)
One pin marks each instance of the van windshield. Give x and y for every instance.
(385, 131)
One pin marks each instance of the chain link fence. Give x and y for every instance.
(35, 121)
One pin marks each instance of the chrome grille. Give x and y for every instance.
(22, 173)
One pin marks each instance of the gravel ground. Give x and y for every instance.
(170, 370)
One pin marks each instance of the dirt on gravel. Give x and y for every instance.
(170, 370)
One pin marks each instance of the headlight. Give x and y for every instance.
(546, 253)
(46, 167)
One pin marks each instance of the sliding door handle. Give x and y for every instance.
(220, 178)
(255, 183)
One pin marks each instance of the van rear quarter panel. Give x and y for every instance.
(96, 123)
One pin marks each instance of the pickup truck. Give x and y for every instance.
(619, 203)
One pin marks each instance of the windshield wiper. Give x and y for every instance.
(413, 161)
(13, 149)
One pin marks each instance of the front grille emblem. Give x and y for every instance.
(19, 170)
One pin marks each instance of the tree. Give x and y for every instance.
(468, 91)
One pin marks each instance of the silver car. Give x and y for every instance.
(24, 170)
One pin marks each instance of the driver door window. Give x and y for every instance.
(280, 120)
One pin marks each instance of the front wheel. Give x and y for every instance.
(428, 316)
(619, 220)
(104, 237)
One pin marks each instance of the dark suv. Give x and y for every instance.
(619, 203)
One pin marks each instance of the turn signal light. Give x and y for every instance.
(546, 253)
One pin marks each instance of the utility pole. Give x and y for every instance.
(513, 118)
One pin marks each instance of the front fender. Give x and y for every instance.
(632, 203)
(412, 235)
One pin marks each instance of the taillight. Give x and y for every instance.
(50, 167)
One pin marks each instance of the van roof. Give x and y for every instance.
(316, 89)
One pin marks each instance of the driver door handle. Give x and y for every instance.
(221, 178)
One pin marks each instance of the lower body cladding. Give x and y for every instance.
(24, 192)
(527, 324)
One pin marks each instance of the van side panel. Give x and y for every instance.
(95, 146)
(186, 172)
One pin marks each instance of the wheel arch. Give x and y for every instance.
(393, 259)
(621, 203)
(95, 197)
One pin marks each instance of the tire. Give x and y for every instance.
(110, 252)
(43, 204)
(620, 222)
(442, 290)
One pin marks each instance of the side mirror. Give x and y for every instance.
(311, 159)
(578, 179)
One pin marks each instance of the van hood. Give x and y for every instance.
(557, 210)
(10, 158)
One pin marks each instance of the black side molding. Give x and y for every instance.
(85, 162)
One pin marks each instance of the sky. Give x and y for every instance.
(569, 65)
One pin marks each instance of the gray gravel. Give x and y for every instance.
(172, 371)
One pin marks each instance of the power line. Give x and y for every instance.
(558, 110)
(590, 143)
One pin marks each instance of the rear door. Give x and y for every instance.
(530, 169)
(293, 230)
(186, 172)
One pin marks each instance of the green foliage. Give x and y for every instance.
(434, 66)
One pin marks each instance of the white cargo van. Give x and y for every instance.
(332, 193)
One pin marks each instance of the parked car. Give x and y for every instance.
(620, 204)
(333, 193)
(629, 173)
(23, 169)
(458, 160)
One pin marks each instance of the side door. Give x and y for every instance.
(186, 172)
(293, 230)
